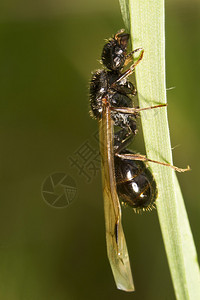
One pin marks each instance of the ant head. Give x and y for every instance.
(114, 52)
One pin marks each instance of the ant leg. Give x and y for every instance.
(129, 56)
(132, 110)
(124, 136)
(145, 159)
(131, 69)
(122, 139)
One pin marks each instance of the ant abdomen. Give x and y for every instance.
(135, 183)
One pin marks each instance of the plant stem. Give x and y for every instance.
(147, 31)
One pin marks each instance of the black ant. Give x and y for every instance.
(135, 183)
(124, 172)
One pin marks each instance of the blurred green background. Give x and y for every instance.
(47, 52)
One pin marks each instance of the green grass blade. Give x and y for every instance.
(124, 4)
(147, 31)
